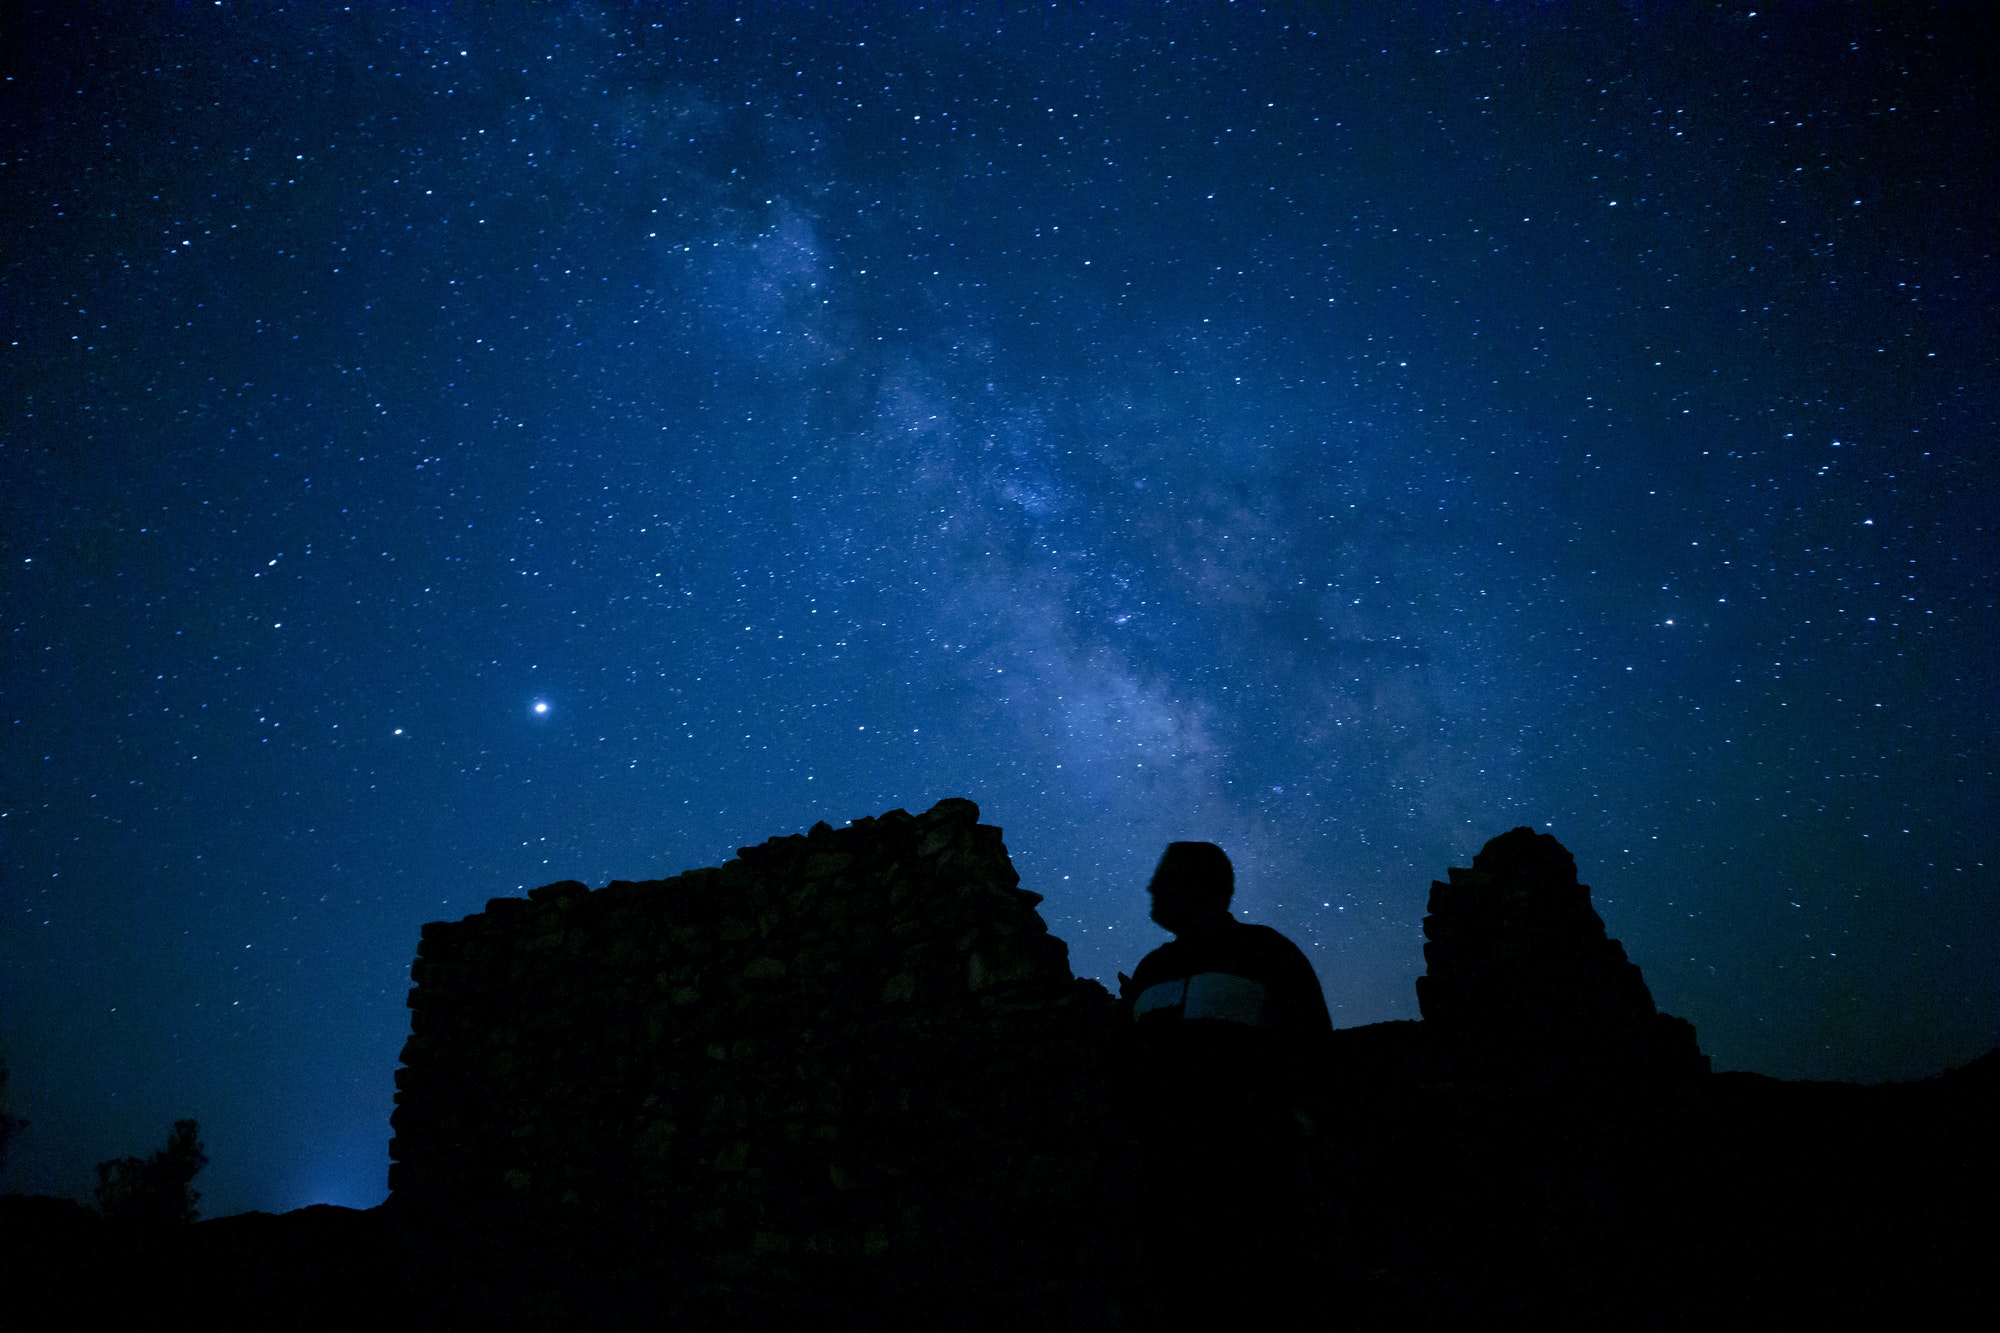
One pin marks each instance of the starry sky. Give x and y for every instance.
(449, 449)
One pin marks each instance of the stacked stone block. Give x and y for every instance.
(1522, 980)
(848, 1069)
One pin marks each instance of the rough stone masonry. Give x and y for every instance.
(850, 1066)
(1522, 981)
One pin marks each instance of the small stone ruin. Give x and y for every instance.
(1521, 980)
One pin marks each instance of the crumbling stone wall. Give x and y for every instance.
(1522, 980)
(849, 1068)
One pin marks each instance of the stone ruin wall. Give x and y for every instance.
(1522, 981)
(800, 1065)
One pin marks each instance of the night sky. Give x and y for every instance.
(445, 450)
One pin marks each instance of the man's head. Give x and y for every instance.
(1192, 886)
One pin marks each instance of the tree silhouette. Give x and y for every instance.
(156, 1188)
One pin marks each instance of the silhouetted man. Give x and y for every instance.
(1228, 1031)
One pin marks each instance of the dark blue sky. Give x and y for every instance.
(1345, 438)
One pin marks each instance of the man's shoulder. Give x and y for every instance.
(1278, 959)
(1284, 964)
(1164, 963)
(1267, 940)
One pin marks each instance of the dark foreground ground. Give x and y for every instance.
(1738, 1199)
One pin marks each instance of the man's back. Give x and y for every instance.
(1293, 1009)
(1232, 1012)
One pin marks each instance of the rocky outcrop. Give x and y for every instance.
(1522, 981)
(835, 1072)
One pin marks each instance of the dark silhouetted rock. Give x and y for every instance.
(1523, 982)
(64, 1266)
